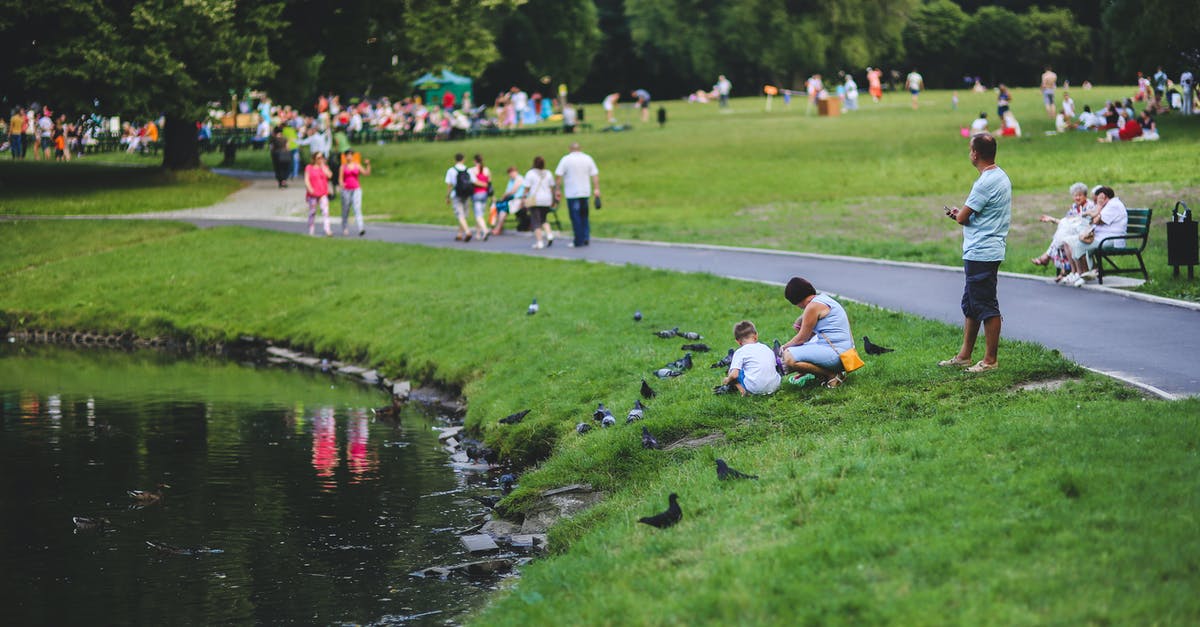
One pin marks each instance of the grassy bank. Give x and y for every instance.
(869, 183)
(913, 494)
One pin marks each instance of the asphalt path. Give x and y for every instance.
(1148, 342)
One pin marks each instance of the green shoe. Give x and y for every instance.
(800, 380)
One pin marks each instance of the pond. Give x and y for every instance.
(287, 501)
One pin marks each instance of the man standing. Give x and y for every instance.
(1160, 84)
(915, 84)
(520, 102)
(723, 88)
(985, 219)
(16, 133)
(874, 83)
(459, 190)
(578, 179)
(1187, 82)
(1049, 82)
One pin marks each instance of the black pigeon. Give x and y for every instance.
(725, 361)
(691, 335)
(648, 392)
(667, 373)
(506, 482)
(668, 334)
(513, 419)
(667, 518)
(84, 523)
(725, 472)
(724, 388)
(874, 349)
(637, 316)
(636, 413)
(601, 412)
(648, 440)
(683, 363)
(699, 348)
(533, 308)
(582, 428)
(778, 350)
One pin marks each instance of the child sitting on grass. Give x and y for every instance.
(752, 369)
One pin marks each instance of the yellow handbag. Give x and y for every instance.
(850, 359)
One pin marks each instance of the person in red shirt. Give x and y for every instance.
(448, 101)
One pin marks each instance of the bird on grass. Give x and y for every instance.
(146, 497)
(724, 388)
(691, 335)
(667, 373)
(668, 333)
(647, 391)
(636, 413)
(683, 363)
(513, 419)
(601, 412)
(637, 316)
(506, 482)
(725, 472)
(86, 523)
(667, 518)
(533, 308)
(648, 440)
(874, 349)
(725, 361)
(582, 428)
(699, 348)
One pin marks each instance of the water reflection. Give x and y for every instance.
(319, 511)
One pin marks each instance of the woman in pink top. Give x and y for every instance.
(352, 189)
(316, 190)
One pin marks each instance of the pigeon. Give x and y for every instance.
(648, 392)
(725, 472)
(582, 428)
(666, 373)
(874, 349)
(668, 334)
(777, 348)
(725, 361)
(667, 518)
(533, 308)
(648, 440)
(683, 363)
(84, 523)
(608, 421)
(506, 482)
(699, 348)
(513, 419)
(637, 316)
(601, 412)
(724, 388)
(691, 335)
(636, 413)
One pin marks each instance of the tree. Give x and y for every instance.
(992, 44)
(1053, 37)
(554, 40)
(1148, 33)
(932, 40)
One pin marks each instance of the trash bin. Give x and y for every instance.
(230, 153)
(831, 107)
(1183, 245)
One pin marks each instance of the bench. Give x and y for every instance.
(1136, 234)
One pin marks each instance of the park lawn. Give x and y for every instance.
(92, 186)
(912, 494)
(870, 183)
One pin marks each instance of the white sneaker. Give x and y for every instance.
(539, 245)
(1078, 282)
(1069, 279)
(1090, 274)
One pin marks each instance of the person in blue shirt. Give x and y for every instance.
(985, 218)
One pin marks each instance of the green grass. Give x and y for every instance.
(870, 183)
(911, 495)
(94, 187)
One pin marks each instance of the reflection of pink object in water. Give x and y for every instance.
(325, 451)
(359, 457)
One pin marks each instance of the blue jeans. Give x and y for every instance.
(295, 163)
(578, 209)
(16, 143)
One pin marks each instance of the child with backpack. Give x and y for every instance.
(459, 190)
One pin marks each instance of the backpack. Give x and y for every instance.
(463, 186)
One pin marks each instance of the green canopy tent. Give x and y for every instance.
(432, 86)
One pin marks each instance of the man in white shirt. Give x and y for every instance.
(722, 88)
(520, 102)
(458, 196)
(915, 84)
(578, 179)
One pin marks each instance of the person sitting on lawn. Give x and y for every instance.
(1149, 128)
(822, 335)
(980, 125)
(752, 368)
(1070, 227)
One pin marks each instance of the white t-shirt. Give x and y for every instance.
(1114, 220)
(520, 100)
(914, 80)
(46, 126)
(452, 176)
(577, 170)
(757, 363)
(539, 188)
(979, 125)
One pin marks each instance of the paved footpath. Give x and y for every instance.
(1152, 343)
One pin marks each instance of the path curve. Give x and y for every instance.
(1150, 342)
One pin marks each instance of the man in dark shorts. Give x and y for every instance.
(985, 218)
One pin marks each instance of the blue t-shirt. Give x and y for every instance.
(986, 231)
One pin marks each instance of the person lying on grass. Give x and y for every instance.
(752, 369)
(822, 334)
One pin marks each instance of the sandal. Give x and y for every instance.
(983, 367)
(835, 381)
(954, 361)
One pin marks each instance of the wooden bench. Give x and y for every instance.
(1136, 234)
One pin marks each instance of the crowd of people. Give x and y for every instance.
(36, 129)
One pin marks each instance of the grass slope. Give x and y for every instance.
(913, 494)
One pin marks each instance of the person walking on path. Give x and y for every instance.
(481, 178)
(538, 198)
(280, 157)
(459, 190)
(348, 177)
(577, 180)
(1049, 82)
(985, 218)
(316, 191)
